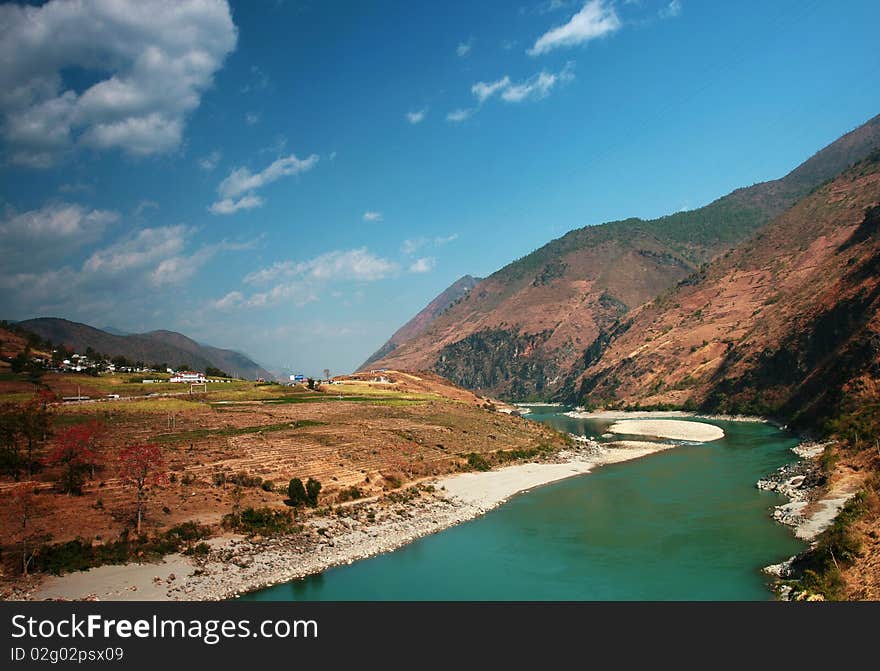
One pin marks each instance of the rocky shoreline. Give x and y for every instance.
(811, 506)
(236, 565)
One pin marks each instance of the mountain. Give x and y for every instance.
(786, 324)
(418, 324)
(112, 330)
(153, 347)
(526, 331)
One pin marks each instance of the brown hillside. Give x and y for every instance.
(785, 323)
(531, 327)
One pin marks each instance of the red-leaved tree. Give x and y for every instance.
(75, 452)
(141, 466)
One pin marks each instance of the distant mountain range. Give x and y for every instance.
(543, 326)
(167, 347)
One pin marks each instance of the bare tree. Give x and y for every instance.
(141, 466)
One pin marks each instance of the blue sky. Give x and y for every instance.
(297, 179)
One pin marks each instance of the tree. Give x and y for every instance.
(326, 373)
(24, 507)
(76, 454)
(24, 427)
(11, 458)
(237, 496)
(296, 493)
(141, 466)
(36, 420)
(313, 488)
(311, 383)
(210, 371)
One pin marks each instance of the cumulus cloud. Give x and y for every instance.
(596, 19)
(461, 114)
(464, 48)
(299, 282)
(49, 233)
(231, 206)
(243, 181)
(372, 216)
(137, 273)
(418, 116)
(485, 90)
(536, 87)
(424, 265)
(152, 60)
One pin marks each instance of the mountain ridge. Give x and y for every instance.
(521, 332)
(152, 347)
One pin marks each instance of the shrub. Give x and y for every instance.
(296, 493)
(350, 494)
(313, 488)
(477, 462)
(268, 486)
(263, 521)
(198, 550)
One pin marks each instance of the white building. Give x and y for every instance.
(189, 377)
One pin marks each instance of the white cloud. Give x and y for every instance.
(299, 282)
(412, 245)
(539, 86)
(231, 206)
(372, 216)
(456, 116)
(424, 265)
(417, 116)
(152, 59)
(243, 181)
(352, 264)
(464, 48)
(596, 19)
(534, 88)
(44, 237)
(252, 118)
(147, 247)
(209, 162)
(671, 10)
(485, 90)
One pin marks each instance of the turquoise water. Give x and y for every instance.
(686, 524)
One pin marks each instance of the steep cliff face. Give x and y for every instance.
(787, 323)
(420, 323)
(531, 328)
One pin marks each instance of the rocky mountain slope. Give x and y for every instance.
(419, 324)
(528, 329)
(153, 347)
(787, 323)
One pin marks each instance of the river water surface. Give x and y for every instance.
(685, 524)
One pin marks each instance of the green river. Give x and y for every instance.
(684, 524)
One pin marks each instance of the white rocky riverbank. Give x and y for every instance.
(236, 565)
(810, 508)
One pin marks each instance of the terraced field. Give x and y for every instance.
(374, 436)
